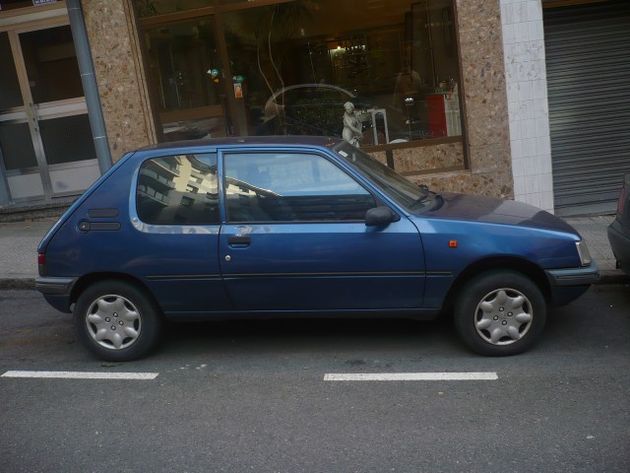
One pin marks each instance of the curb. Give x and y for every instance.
(17, 283)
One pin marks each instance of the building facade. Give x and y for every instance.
(507, 98)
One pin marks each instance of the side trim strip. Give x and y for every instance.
(339, 274)
(414, 313)
(184, 277)
(323, 275)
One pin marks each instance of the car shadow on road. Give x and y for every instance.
(312, 334)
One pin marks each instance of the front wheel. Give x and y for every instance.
(500, 313)
(117, 321)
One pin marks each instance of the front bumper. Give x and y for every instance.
(569, 284)
(56, 291)
(573, 276)
(620, 243)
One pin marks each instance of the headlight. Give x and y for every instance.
(585, 256)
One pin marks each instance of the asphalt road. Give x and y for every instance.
(251, 396)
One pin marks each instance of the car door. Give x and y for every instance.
(295, 238)
(175, 251)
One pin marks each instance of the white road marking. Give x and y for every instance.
(435, 376)
(79, 375)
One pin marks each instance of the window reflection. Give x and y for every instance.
(291, 187)
(16, 146)
(299, 62)
(9, 85)
(184, 67)
(288, 68)
(62, 147)
(51, 64)
(179, 190)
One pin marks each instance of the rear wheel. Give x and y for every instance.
(500, 313)
(117, 321)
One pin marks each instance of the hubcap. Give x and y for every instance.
(503, 316)
(101, 320)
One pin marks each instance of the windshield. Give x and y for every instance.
(393, 184)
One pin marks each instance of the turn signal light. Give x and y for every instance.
(452, 243)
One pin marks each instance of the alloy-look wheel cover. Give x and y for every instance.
(113, 322)
(503, 316)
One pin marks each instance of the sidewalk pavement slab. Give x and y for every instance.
(18, 250)
(594, 232)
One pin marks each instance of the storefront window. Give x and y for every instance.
(289, 68)
(183, 65)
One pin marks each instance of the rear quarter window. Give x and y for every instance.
(178, 190)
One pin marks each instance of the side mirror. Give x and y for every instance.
(380, 217)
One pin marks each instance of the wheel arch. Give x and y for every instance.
(508, 263)
(88, 280)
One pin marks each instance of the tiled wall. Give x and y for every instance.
(528, 109)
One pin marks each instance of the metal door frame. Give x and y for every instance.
(35, 19)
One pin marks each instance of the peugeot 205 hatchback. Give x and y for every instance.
(300, 226)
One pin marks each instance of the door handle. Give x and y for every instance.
(239, 240)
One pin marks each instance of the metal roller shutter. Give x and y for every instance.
(588, 77)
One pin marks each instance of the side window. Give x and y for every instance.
(179, 190)
(291, 187)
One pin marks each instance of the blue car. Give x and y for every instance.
(284, 226)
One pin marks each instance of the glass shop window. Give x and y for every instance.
(232, 67)
(179, 190)
(291, 187)
(182, 62)
(295, 64)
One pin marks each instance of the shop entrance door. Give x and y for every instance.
(46, 145)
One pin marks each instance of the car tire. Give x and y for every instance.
(117, 321)
(500, 313)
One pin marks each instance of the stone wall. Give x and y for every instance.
(425, 159)
(113, 40)
(484, 109)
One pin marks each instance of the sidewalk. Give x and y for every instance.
(594, 232)
(18, 249)
(18, 252)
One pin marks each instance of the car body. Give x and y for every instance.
(299, 226)
(619, 229)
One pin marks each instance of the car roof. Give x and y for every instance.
(283, 140)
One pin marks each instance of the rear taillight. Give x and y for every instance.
(41, 263)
